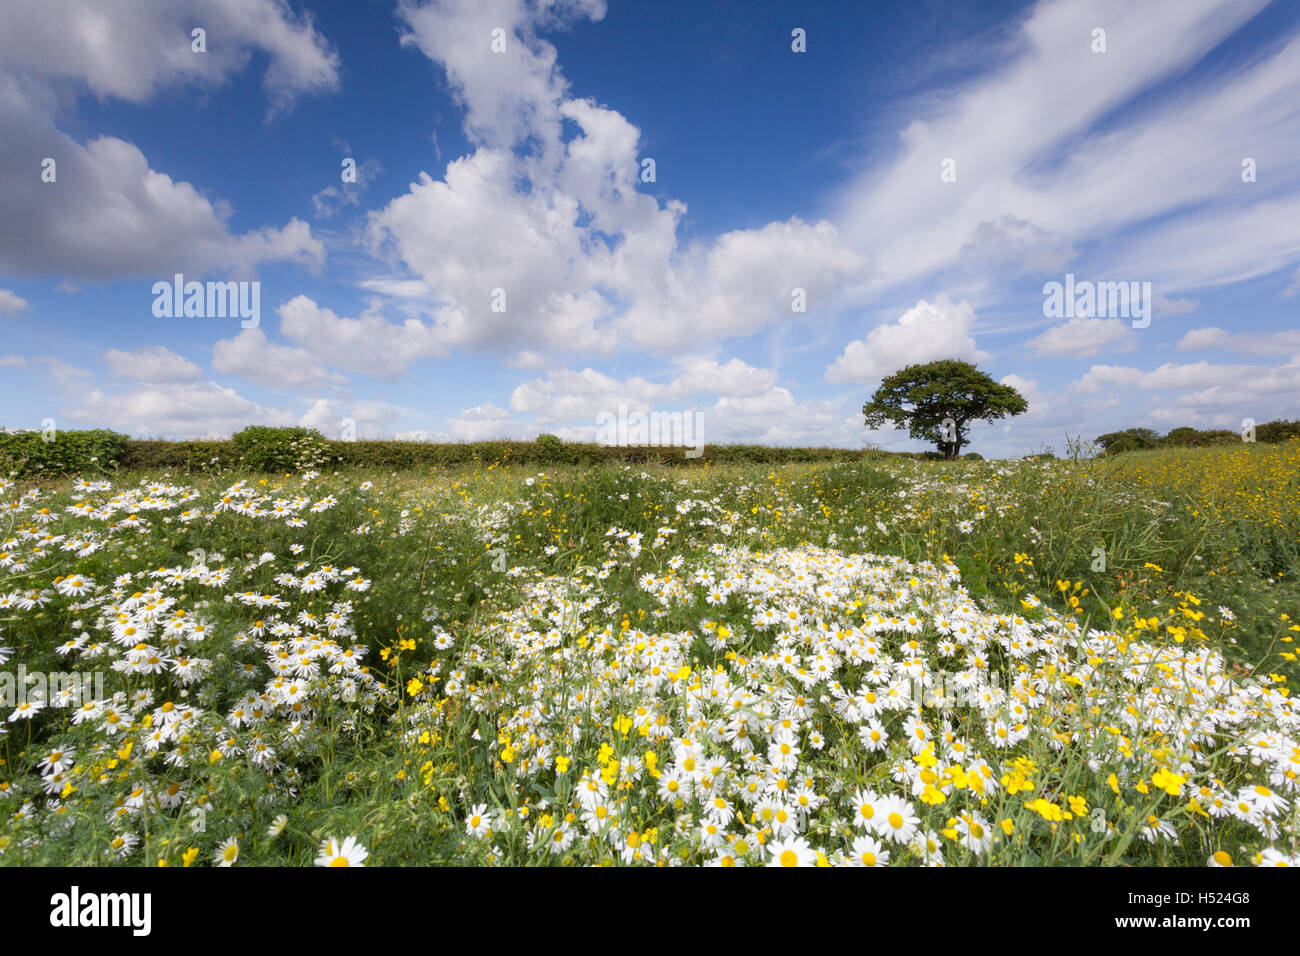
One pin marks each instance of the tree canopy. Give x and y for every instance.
(937, 402)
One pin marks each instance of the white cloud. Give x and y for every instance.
(1218, 393)
(1242, 343)
(1028, 387)
(152, 363)
(174, 410)
(1294, 287)
(776, 417)
(735, 378)
(399, 288)
(744, 282)
(1165, 306)
(582, 256)
(565, 396)
(1100, 377)
(368, 344)
(332, 198)
(134, 49)
(11, 303)
(370, 419)
(253, 357)
(482, 422)
(748, 405)
(1084, 337)
(1042, 138)
(1017, 246)
(67, 377)
(107, 214)
(506, 95)
(923, 333)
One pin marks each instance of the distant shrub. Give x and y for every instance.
(972, 456)
(1194, 438)
(195, 455)
(1278, 430)
(1131, 439)
(1218, 436)
(284, 449)
(27, 454)
(1134, 439)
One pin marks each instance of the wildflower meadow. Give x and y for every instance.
(882, 662)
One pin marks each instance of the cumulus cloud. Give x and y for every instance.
(566, 395)
(737, 402)
(1100, 377)
(369, 419)
(106, 213)
(735, 378)
(1083, 337)
(152, 363)
(1215, 392)
(253, 357)
(581, 257)
(368, 344)
(137, 48)
(11, 303)
(174, 410)
(480, 423)
(926, 332)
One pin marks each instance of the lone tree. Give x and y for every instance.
(939, 399)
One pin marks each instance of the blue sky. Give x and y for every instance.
(921, 171)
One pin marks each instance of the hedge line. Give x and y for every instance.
(269, 450)
(1137, 439)
(32, 454)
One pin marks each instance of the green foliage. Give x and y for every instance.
(973, 456)
(1130, 439)
(283, 449)
(278, 450)
(155, 454)
(1192, 438)
(1138, 439)
(1277, 430)
(938, 401)
(1181, 436)
(28, 454)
